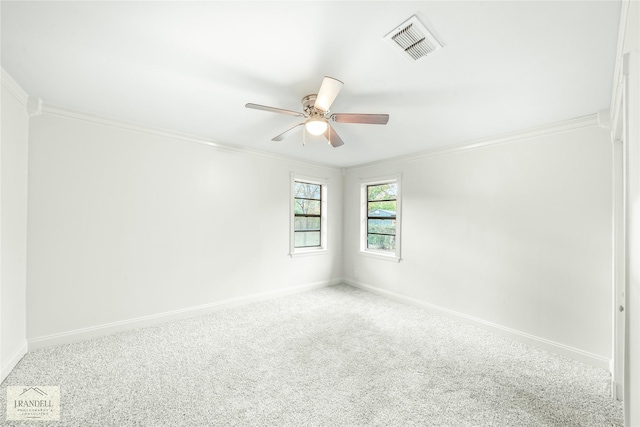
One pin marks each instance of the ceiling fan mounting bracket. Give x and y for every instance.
(309, 100)
(308, 106)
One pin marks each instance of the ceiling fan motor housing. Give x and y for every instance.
(308, 106)
(316, 123)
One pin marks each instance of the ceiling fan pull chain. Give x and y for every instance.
(304, 136)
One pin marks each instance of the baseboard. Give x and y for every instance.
(617, 391)
(15, 357)
(554, 347)
(144, 321)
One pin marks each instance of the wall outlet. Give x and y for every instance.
(355, 273)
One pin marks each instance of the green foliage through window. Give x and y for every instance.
(307, 212)
(381, 216)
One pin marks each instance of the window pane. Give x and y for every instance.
(306, 239)
(376, 241)
(309, 207)
(383, 226)
(307, 191)
(306, 223)
(382, 191)
(383, 209)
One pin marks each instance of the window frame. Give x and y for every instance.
(364, 232)
(309, 250)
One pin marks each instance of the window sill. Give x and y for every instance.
(381, 255)
(308, 252)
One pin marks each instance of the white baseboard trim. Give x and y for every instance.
(545, 344)
(15, 357)
(144, 321)
(618, 391)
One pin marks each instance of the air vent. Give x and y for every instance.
(413, 39)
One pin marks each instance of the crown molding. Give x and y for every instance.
(34, 106)
(13, 87)
(54, 110)
(618, 68)
(553, 128)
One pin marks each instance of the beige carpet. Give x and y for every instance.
(337, 356)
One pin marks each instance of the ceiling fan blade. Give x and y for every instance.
(273, 109)
(333, 137)
(288, 132)
(373, 119)
(327, 94)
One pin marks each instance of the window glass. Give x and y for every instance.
(307, 211)
(381, 216)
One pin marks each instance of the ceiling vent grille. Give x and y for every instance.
(413, 39)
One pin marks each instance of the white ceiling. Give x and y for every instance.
(191, 67)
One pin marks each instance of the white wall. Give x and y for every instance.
(13, 223)
(516, 236)
(125, 223)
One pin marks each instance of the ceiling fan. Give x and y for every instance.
(316, 112)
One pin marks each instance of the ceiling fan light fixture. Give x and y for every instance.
(316, 126)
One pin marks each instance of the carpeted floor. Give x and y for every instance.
(337, 356)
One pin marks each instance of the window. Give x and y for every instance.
(380, 232)
(307, 201)
(381, 216)
(308, 224)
